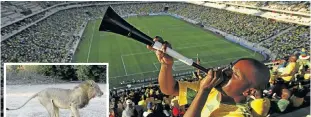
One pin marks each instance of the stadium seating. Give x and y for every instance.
(290, 42)
(142, 93)
(49, 35)
(253, 29)
(57, 28)
(297, 6)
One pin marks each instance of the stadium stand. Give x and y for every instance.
(301, 18)
(255, 29)
(142, 95)
(47, 34)
(290, 42)
(298, 6)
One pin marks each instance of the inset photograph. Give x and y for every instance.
(55, 89)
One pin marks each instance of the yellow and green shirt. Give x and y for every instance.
(213, 107)
(288, 70)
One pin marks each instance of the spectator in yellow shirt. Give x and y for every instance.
(290, 70)
(142, 102)
(227, 99)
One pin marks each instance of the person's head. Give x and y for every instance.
(113, 99)
(129, 103)
(167, 107)
(292, 58)
(151, 92)
(285, 94)
(143, 97)
(174, 102)
(122, 99)
(158, 107)
(157, 92)
(111, 112)
(248, 77)
(149, 106)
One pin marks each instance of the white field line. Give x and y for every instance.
(173, 68)
(88, 54)
(155, 66)
(124, 66)
(136, 53)
(126, 74)
(135, 74)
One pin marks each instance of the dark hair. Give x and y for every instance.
(158, 108)
(143, 97)
(167, 107)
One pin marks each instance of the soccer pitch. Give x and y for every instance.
(129, 59)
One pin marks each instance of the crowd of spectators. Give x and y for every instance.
(287, 91)
(142, 9)
(251, 28)
(289, 42)
(12, 11)
(34, 43)
(16, 26)
(47, 4)
(50, 39)
(297, 6)
(146, 101)
(46, 41)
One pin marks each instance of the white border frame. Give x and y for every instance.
(4, 79)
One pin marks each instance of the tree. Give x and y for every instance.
(99, 73)
(65, 72)
(75, 72)
(92, 72)
(45, 70)
(82, 72)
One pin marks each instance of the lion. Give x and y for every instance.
(78, 97)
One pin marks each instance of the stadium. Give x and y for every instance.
(215, 32)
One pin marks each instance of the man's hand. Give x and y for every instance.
(167, 83)
(212, 79)
(163, 58)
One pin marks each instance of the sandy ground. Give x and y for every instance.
(16, 95)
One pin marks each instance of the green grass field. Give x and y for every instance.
(129, 59)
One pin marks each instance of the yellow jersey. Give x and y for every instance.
(288, 70)
(213, 107)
